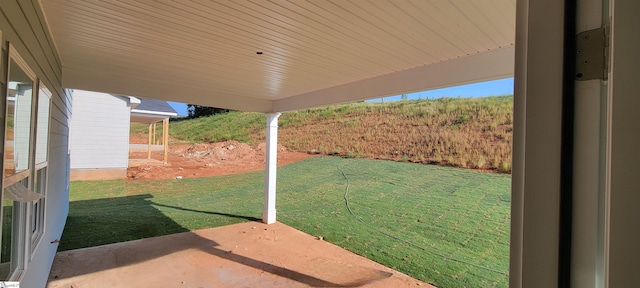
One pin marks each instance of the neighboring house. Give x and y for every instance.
(99, 135)
(100, 128)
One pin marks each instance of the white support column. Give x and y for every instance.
(269, 211)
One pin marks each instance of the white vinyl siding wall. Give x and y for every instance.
(24, 18)
(100, 136)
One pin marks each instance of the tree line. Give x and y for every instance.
(197, 111)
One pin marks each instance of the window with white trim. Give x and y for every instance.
(17, 167)
(37, 207)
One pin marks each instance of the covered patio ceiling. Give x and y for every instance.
(273, 56)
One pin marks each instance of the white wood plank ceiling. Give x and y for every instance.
(314, 52)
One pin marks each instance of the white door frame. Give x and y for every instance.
(605, 151)
(622, 230)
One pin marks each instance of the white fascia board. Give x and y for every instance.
(147, 118)
(88, 79)
(491, 65)
(149, 112)
(134, 102)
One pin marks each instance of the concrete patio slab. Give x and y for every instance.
(248, 254)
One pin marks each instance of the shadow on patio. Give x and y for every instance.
(249, 254)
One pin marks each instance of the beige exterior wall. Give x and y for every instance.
(98, 174)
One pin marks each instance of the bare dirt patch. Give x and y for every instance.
(138, 138)
(204, 160)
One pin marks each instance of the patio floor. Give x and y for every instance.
(250, 254)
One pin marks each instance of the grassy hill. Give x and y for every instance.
(460, 132)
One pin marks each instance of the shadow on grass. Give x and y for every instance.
(112, 220)
(249, 218)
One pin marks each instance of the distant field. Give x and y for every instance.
(446, 226)
(459, 132)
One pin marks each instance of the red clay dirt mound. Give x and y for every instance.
(203, 160)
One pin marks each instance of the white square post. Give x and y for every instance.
(269, 211)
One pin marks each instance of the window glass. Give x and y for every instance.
(18, 121)
(11, 255)
(42, 124)
(5, 251)
(37, 208)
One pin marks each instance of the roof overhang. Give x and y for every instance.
(134, 102)
(146, 116)
(313, 52)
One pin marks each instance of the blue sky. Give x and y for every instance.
(181, 108)
(482, 89)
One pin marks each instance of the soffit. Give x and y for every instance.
(204, 52)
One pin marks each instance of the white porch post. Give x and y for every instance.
(269, 210)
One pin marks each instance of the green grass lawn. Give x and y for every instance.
(446, 226)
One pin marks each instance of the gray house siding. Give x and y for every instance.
(100, 131)
(34, 44)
